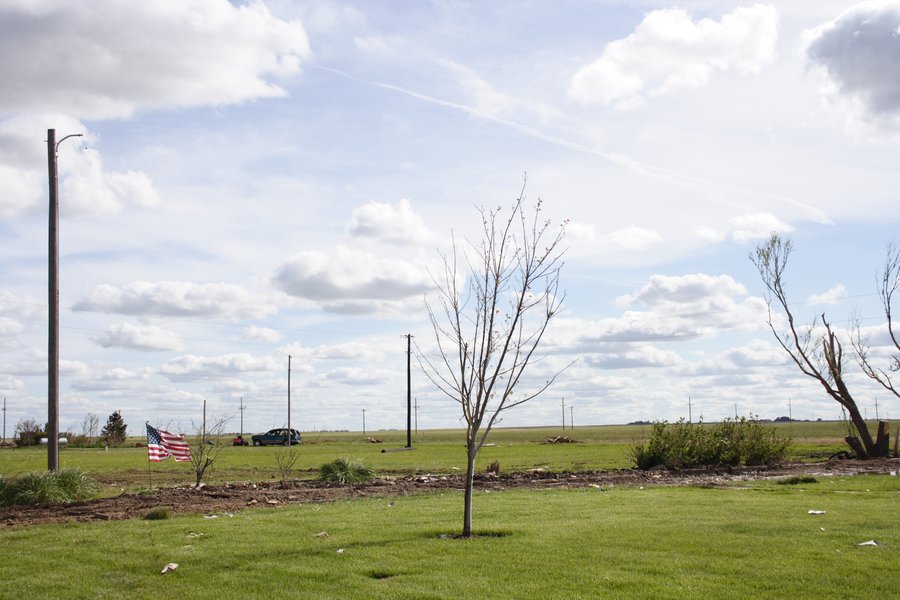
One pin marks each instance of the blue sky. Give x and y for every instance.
(265, 179)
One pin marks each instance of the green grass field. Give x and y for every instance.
(625, 542)
(744, 541)
(436, 451)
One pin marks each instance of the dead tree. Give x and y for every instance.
(206, 448)
(490, 319)
(889, 284)
(818, 355)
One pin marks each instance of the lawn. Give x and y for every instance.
(623, 542)
(436, 451)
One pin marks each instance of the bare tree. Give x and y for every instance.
(817, 353)
(490, 320)
(889, 284)
(89, 427)
(207, 446)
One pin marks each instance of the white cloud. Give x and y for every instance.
(195, 368)
(146, 338)
(260, 334)
(106, 58)
(635, 238)
(394, 223)
(176, 299)
(351, 281)
(85, 185)
(669, 50)
(642, 355)
(833, 296)
(746, 228)
(858, 52)
(358, 376)
(662, 290)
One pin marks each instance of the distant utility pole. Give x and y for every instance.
(690, 416)
(241, 432)
(571, 418)
(4, 419)
(876, 409)
(735, 411)
(408, 337)
(790, 411)
(563, 404)
(53, 297)
(364, 422)
(289, 436)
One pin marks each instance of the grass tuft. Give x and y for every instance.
(797, 479)
(46, 487)
(344, 470)
(160, 513)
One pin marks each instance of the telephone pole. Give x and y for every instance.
(53, 297)
(563, 404)
(689, 410)
(241, 433)
(408, 337)
(364, 422)
(289, 433)
(4, 419)
(571, 417)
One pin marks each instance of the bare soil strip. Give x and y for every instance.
(229, 498)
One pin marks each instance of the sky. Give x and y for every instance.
(259, 180)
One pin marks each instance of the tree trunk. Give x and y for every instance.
(470, 480)
(868, 445)
(883, 440)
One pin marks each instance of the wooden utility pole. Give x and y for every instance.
(571, 417)
(690, 416)
(4, 419)
(563, 404)
(364, 422)
(288, 442)
(53, 302)
(408, 337)
(241, 432)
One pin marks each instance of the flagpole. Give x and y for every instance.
(149, 470)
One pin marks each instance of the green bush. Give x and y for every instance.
(731, 442)
(160, 513)
(343, 470)
(45, 487)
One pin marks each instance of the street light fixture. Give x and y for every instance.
(53, 297)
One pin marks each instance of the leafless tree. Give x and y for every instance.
(490, 318)
(285, 459)
(89, 428)
(889, 284)
(817, 353)
(206, 448)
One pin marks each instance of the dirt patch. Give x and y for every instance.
(229, 498)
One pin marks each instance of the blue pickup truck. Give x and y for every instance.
(276, 437)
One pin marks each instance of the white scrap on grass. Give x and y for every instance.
(210, 516)
(869, 543)
(169, 568)
(816, 512)
(321, 534)
(340, 550)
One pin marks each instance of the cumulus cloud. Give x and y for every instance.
(634, 237)
(669, 50)
(176, 299)
(833, 296)
(197, 368)
(351, 279)
(87, 186)
(357, 376)
(147, 338)
(747, 227)
(393, 223)
(859, 53)
(111, 59)
(260, 334)
(643, 355)
(681, 308)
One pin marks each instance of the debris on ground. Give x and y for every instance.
(371, 440)
(169, 568)
(560, 439)
(815, 512)
(869, 543)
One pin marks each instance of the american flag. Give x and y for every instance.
(162, 444)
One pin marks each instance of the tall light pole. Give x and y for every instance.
(53, 297)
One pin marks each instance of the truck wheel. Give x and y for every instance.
(257, 443)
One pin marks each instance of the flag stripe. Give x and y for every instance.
(162, 444)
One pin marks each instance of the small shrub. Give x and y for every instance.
(45, 487)
(343, 470)
(797, 479)
(160, 513)
(731, 442)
